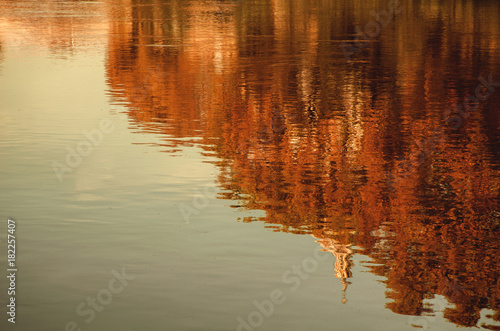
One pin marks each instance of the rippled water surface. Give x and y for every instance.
(251, 165)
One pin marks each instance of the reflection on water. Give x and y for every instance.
(311, 138)
(63, 27)
(355, 152)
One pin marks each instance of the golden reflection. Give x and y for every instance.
(60, 26)
(342, 253)
(311, 138)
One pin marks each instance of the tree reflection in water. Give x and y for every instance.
(309, 138)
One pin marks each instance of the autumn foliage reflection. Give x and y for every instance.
(310, 138)
(59, 26)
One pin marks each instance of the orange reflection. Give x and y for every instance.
(310, 138)
(60, 26)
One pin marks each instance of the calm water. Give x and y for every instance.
(251, 165)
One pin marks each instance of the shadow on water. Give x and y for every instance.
(311, 136)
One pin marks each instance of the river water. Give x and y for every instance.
(251, 165)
